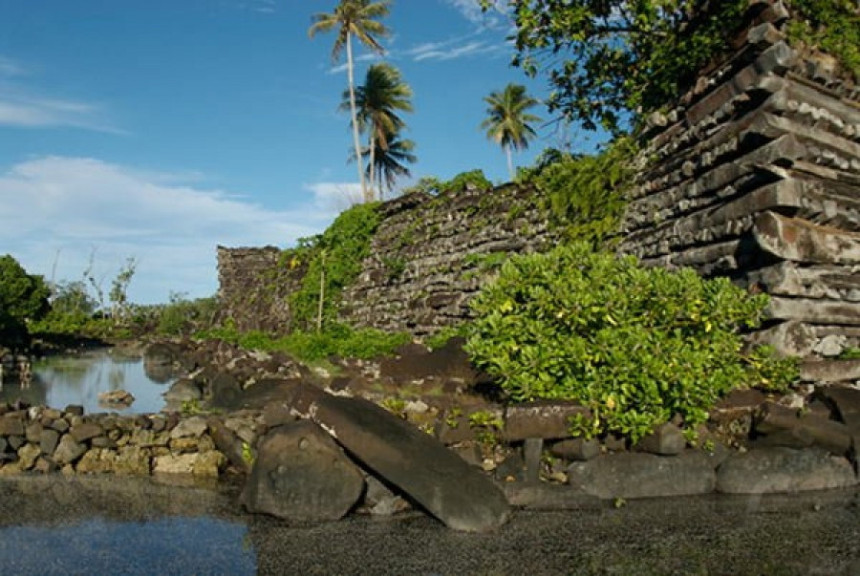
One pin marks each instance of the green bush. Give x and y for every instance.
(335, 340)
(23, 299)
(637, 346)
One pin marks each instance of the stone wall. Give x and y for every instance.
(755, 175)
(429, 256)
(40, 439)
(254, 287)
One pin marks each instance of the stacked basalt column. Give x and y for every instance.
(755, 175)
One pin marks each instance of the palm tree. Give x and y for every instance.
(387, 162)
(377, 102)
(507, 123)
(357, 18)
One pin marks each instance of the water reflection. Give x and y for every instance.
(60, 381)
(158, 546)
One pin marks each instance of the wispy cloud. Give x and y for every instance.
(471, 10)
(24, 106)
(58, 209)
(453, 50)
(9, 67)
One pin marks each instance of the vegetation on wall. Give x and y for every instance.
(636, 346)
(832, 26)
(336, 340)
(333, 262)
(471, 179)
(610, 62)
(585, 193)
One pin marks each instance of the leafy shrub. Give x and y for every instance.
(182, 316)
(635, 345)
(585, 194)
(461, 182)
(23, 298)
(335, 257)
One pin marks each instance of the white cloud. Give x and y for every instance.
(471, 11)
(58, 209)
(50, 113)
(335, 197)
(453, 50)
(23, 106)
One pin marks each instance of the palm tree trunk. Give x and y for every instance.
(510, 162)
(367, 195)
(372, 161)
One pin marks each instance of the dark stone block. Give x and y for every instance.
(11, 425)
(576, 449)
(86, 431)
(48, 441)
(416, 463)
(766, 470)
(541, 419)
(666, 440)
(301, 474)
(639, 475)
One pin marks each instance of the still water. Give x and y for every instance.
(62, 380)
(52, 525)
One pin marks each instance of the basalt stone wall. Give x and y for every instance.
(429, 256)
(254, 287)
(755, 175)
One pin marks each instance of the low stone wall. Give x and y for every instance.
(45, 440)
(429, 256)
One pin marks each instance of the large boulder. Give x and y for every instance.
(302, 475)
(779, 469)
(640, 475)
(413, 461)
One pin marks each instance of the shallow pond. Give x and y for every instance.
(62, 380)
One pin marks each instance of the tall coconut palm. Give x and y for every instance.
(388, 162)
(508, 119)
(359, 18)
(377, 102)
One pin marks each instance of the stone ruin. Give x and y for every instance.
(755, 175)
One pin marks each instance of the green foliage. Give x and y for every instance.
(608, 59)
(336, 340)
(335, 256)
(487, 426)
(586, 194)
(472, 179)
(832, 26)
(23, 299)
(466, 180)
(850, 354)
(634, 345)
(440, 338)
(182, 316)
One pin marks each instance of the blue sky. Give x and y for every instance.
(160, 129)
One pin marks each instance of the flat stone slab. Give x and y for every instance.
(766, 470)
(639, 475)
(302, 475)
(418, 464)
(541, 419)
